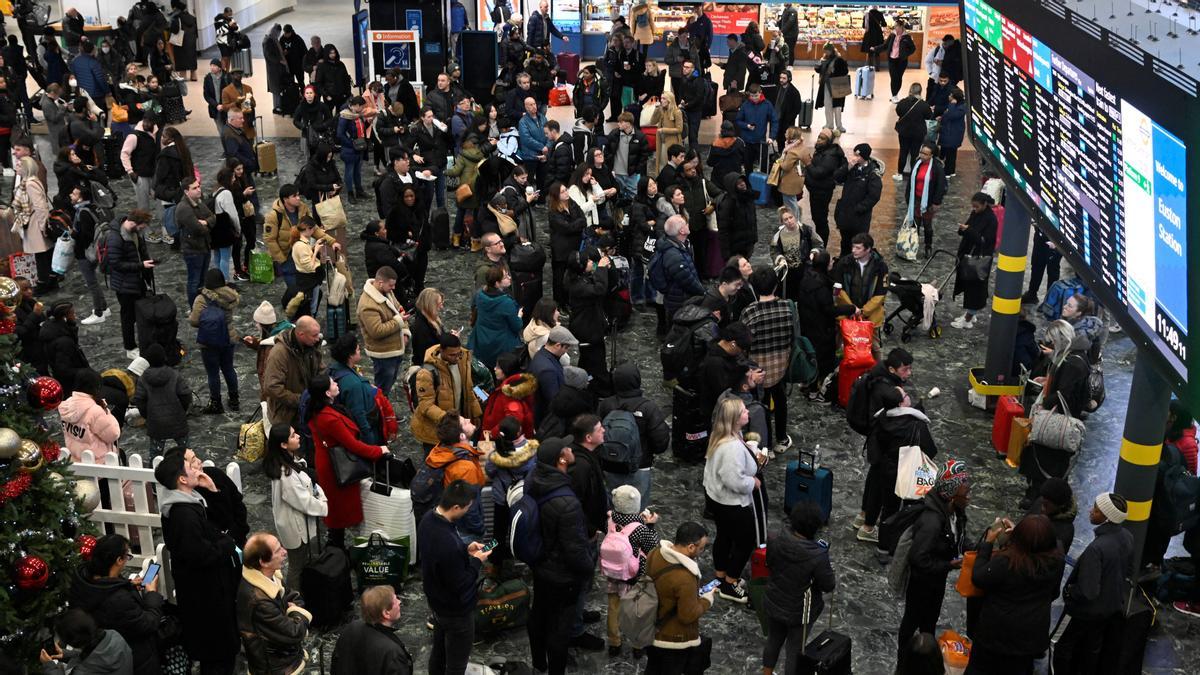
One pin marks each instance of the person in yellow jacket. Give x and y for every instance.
(278, 226)
(439, 390)
(641, 22)
(310, 250)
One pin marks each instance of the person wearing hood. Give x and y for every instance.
(862, 186)
(163, 397)
(331, 78)
(212, 315)
(1065, 366)
(87, 423)
(317, 179)
(727, 154)
(512, 398)
(59, 338)
(313, 119)
(818, 314)
(407, 226)
(511, 462)
(654, 433)
(466, 169)
(938, 542)
(1179, 449)
(800, 568)
(89, 651)
(356, 395)
(102, 588)
(737, 215)
(379, 252)
(754, 117)
(205, 564)
(820, 178)
(354, 138)
(900, 424)
(571, 400)
(978, 239)
(497, 327)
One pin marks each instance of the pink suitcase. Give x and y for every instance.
(568, 66)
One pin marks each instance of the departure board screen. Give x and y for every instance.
(1108, 179)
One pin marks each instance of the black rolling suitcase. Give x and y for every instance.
(157, 322)
(807, 105)
(439, 228)
(829, 652)
(325, 585)
(689, 428)
(111, 149)
(710, 104)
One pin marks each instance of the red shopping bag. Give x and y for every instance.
(559, 96)
(857, 337)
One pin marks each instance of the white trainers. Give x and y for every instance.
(963, 322)
(132, 354)
(153, 237)
(895, 99)
(94, 319)
(107, 312)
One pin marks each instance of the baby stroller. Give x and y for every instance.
(917, 301)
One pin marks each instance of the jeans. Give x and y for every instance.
(550, 619)
(922, 605)
(639, 479)
(638, 288)
(218, 361)
(353, 175)
(128, 318)
(169, 220)
(287, 270)
(452, 639)
(196, 264)
(386, 371)
(792, 202)
(87, 268)
(627, 185)
(222, 259)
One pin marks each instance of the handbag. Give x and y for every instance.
(247, 209)
(915, 473)
(118, 113)
(177, 39)
(1054, 429)
(252, 438)
(331, 213)
(775, 173)
(64, 254)
(908, 240)
(1096, 391)
(975, 267)
(931, 130)
(840, 86)
(348, 468)
(359, 145)
(965, 586)
(463, 193)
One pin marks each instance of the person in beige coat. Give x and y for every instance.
(641, 22)
(669, 120)
(384, 328)
(31, 212)
(795, 156)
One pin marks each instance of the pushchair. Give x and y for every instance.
(918, 301)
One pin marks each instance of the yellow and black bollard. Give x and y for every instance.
(996, 378)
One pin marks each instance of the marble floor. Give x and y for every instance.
(862, 607)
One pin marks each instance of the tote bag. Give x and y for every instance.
(331, 213)
(379, 561)
(915, 473)
(840, 86)
(1054, 429)
(908, 241)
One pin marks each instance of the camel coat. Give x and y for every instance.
(791, 181)
(670, 132)
(643, 34)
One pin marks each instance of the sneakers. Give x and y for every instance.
(167, 239)
(784, 444)
(871, 535)
(897, 177)
(895, 99)
(963, 322)
(950, 175)
(859, 521)
(132, 354)
(1185, 607)
(153, 237)
(817, 397)
(429, 622)
(733, 593)
(241, 275)
(94, 319)
(587, 642)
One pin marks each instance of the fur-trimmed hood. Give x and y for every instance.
(518, 458)
(521, 386)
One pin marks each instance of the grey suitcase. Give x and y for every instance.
(242, 60)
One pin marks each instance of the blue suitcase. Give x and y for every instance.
(864, 83)
(805, 484)
(758, 181)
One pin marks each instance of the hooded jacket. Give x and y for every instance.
(737, 218)
(117, 605)
(861, 187)
(653, 431)
(759, 114)
(384, 330)
(126, 251)
(567, 556)
(196, 238)
(680, 605)
(497, 328)
(895, 428)
(726, 156)
(934, 543)
(273, 631)
(797, 564)
(110, 656)
(60, 342)
(88, 425)
(290, 367)
(1099, 583)
(435, 399)
(277, 230)
(568, 403)
(224, 297)
(513, 398)
(1015, 614)
(821, 174)
(163, 397)
(506, 470)
(318, 176)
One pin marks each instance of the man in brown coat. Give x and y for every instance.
(293, 362)
(272, 625)
(385, 332)
(439, 391)
(676, 576)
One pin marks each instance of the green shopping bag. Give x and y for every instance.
(378, 561)
(627, 97)
(757, 590)
(262, 268)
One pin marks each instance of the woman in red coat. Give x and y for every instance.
(513, 397)
(331, 427)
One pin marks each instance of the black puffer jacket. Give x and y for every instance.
(566, 231)
(60, 340)
(797, 564)
(639, 150)
(561, 162)
(126, 251)
(587, 292)
(1015, 617)
(820, 175)
(163, 397)
(934, 543)
(895, 428)
(653, 430)
(380, 252)
(861, 188)
(169, 173)
(736, 217)
(566, 405)
(567, 556)
(319, 175)
(116, 604)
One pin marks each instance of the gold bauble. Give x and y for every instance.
(10, 293)
(10, 443)
(57, 478)
(30, 456)
(87, 493)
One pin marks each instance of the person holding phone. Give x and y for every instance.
(130, 606)
(89, 648)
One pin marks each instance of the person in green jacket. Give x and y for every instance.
(497, 327)
(466, 169)
(355, 394)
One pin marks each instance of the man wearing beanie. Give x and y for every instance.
(938, 536)
(567, 560)
(1095, 593)
(861, 186)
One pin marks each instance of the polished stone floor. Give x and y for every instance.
(863, 607)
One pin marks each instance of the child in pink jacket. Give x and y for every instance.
(86, 422)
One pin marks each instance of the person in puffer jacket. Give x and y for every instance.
(86, 422)
(627, 510)
(798, 563)
(163, 397)
(509, 464)
(218, 358)
(512, 398)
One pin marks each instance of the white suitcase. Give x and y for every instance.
(864, 82)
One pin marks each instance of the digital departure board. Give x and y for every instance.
(1109, 179)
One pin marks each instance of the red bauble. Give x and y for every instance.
(45, 393)
(31, 573)
(51, 450)
(86, 543)
(15, 487)
(8, 326)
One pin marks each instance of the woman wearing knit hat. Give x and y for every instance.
(1096, 592)
(269, 325)
(644, 538)
(938, 537)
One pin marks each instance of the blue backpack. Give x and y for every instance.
(525, 531)
(1057, 296)
(656, 275)
(213, 331)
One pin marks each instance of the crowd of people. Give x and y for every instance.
(534, 402)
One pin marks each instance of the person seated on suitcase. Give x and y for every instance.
(370, 645)
(271, 623)
(204, 565)
(450, 576)
(1097, 591)
(799, 564)
(897, 424)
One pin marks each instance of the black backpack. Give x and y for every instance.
(894, 526)
(858, 408)
(681, 352)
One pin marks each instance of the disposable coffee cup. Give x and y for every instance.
(837, 286)
(529, 190)
(935, 392)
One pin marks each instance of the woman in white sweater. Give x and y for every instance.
(296, 501)
(730, 486)
(587, 194)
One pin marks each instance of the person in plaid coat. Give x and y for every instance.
(772, 321)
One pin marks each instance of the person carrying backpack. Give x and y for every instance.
(623, 553)
(563, 561)
(453, 458)
(652, 434)
(163, 397)
(212, 316)
(1176, 474)
(676, 573)
(867, 399)
(125, 258)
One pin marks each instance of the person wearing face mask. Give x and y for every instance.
(331, 78)
(239, 95)
(313, 119)
(111, 61)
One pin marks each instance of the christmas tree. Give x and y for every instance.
(42, 533)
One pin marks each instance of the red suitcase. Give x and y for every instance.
(568, 65)
(846, 377)
(651, 134)
(1007, 409)
(758, 563)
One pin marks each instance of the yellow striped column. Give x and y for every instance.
(1141, 445)
(1006, 302)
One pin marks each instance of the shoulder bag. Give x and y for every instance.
(348, 468)
(975, 267)
(840, 86)
(1054, 429)
(712, 217)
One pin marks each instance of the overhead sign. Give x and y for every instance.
(413, 20)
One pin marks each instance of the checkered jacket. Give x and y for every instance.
(773, 327)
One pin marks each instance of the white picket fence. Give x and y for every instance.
(138, 518)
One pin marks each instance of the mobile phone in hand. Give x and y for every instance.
(151, 573)
(487, 548)
(709, 586)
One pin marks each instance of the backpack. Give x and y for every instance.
(1178, 580)
(1180, 489)
(1057, 296)
(681, 352)
(213, 331)
(656, 275)
(896, 525)
(97, 252)
(859, 415)
(525, 528)
(59, 221)
(621, 451)
(639, 611)
(410, 383)
(426, 487)
(103, 200)
(389, 426)
(618, 559)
